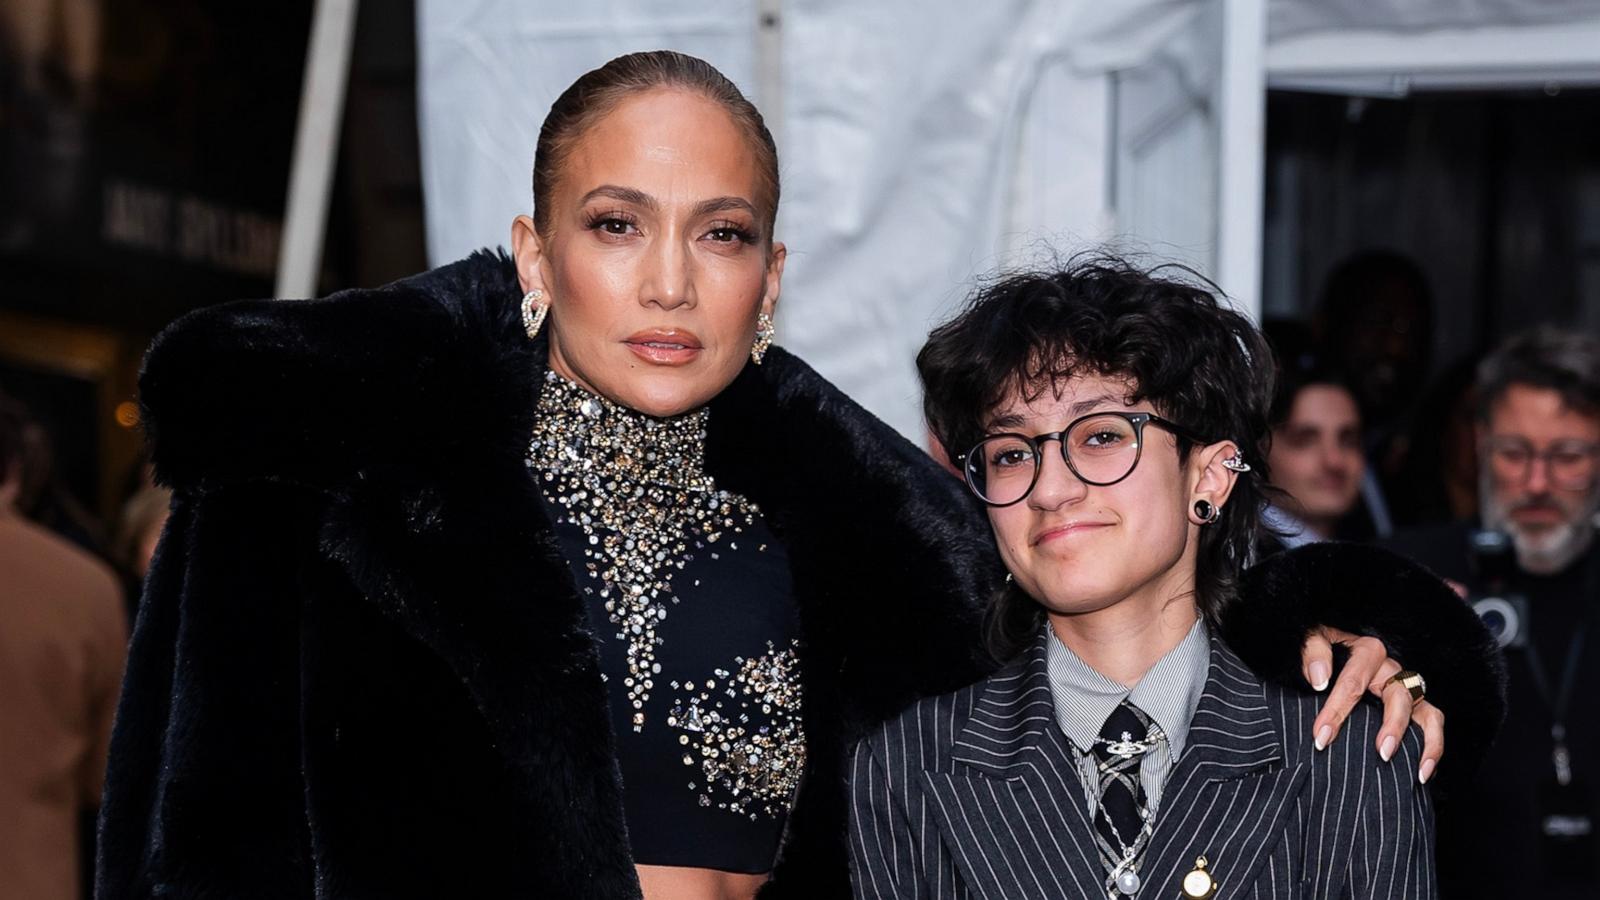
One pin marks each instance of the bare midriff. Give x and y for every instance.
(685, 883)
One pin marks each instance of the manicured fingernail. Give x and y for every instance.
(1387, 750)
(1425, 771)
(1323, 736)
(1319, 675)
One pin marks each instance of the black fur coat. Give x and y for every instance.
(362, 669)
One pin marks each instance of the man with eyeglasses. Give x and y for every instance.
(1531, 568)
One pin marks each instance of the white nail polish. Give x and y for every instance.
(1387, 750)
(1425, 771)
(1323, 736)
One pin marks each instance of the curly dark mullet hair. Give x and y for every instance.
(1165, 331)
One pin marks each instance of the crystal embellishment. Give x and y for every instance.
(745, 730)
(637, 487)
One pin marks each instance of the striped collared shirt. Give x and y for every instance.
(1168, 694)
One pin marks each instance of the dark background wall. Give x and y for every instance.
(145, 148)
(1496, 197)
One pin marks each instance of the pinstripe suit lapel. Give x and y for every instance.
(1229, 794)
(1011, 812)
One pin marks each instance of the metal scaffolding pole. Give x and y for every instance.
(316, 147)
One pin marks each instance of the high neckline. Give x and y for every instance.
(582, 432)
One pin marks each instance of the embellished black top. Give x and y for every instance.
(690, 599)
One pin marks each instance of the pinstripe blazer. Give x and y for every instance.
(974, 794)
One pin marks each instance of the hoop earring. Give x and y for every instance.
(533, 312)
(1206, 511)
(764, 335)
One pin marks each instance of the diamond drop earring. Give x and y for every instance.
(764, 334)
(533, 312)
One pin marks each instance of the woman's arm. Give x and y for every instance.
(1399, 610)
(881, 844)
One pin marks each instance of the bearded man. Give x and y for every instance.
(1532, 570)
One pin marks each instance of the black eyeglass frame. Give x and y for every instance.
(1036, 444)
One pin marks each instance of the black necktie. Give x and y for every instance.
(1121, 819)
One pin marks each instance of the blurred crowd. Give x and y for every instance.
(68, 587)
(1489, 474)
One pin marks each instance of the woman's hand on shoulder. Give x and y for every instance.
(1369, 668)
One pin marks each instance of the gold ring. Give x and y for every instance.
(1412, 682)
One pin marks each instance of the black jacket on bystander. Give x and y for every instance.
(1492, 840)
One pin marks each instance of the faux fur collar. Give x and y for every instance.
(419, 373)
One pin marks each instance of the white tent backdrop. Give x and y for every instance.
(923, 142)
(1419, 17)
(1388, 48)
(489, 71)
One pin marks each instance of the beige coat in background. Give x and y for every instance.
(63, 642)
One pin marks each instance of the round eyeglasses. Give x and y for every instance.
(1569, 465)
(1100, 448)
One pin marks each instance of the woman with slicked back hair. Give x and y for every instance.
(545, 575)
